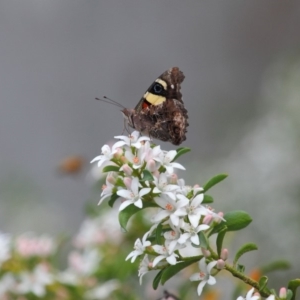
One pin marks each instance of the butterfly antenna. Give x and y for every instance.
(110, 101)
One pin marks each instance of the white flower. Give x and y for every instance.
(5, 242)
(135, 159)
(165, 253)
(145, 267)
(29, 244)
(204, 275)
(194, 209)
(191, 233)
(132, 140)
(7, 284)
(85, 263)
(166, 160)
(139, 247)
(35, 282)
(107, 190)
(133, 196)
(250, 297)
(271, 297)
(103, 291)
(107, 153)
(171, 208)
(172, 237)
(163, 187)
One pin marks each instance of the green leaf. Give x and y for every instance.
(147, 176)
(289, 295)
(159, 239)
(130, 210)
(157, 278)
(173, 270)
(240, 268)
(293, 285)
(220, 239)
(278, 265)
(181, 151)
(244, 249)
(207, 199)
(113, 199)
(235, 220)
(213, 181)
(111, 169)
(203, 240)
(262, 282)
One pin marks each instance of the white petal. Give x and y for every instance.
(178, 166)
(160, 215)
(200, 287)
(156, 190)
(169, 169)
(139, 203)
(135, 185)
(211, 265)
(197, 200)
(144, 191)
(172, 259)
(171, 154)
(174, 219)
(195, 277)
(125, 204)
(125, 194)
(157, 260)
(195, 239)
(211, 280)
(96, 158)
(194, 219)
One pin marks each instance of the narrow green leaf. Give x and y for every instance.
(277, 265)
(173, 270)
(158, 235)
(113, 199)
(203, 240)
(147, 176)
(219, 241)
(111, 169)
(207, 199)
(235, 220)
(181, 151)
(213, 181)
(130, 210)
(244, 249)
(262, 282)
(293, 285)
(157, 278)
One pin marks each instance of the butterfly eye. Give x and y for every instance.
(157, 89)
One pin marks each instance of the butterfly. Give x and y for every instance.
(160, 113)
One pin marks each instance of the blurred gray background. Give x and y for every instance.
(241, 61)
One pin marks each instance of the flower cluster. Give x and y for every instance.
(141, 175)
(27, 267)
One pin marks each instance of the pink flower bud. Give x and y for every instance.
(111, 178)
(118, 153)
(173, 178)
(282, 293)
(205, 252)
(220, 264)
(219, 220)
(224, 254)
(151, 165)
(127, 182)
(126, 169)
(207, 219)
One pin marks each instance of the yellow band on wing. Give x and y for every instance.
(154, 99)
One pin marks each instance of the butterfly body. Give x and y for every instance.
(160, 113)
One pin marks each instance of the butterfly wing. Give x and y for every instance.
(161, 113)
